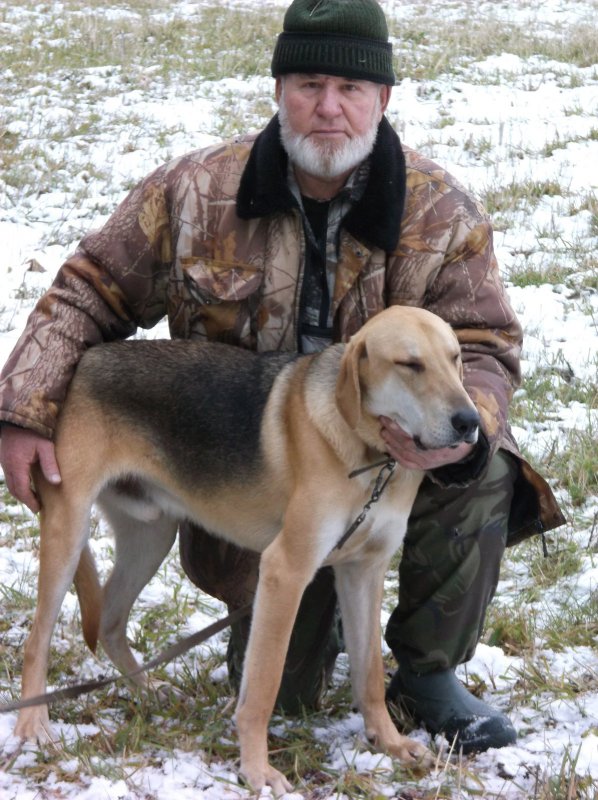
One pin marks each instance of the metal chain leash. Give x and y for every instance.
(387, 471)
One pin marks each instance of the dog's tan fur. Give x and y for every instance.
(319, 422)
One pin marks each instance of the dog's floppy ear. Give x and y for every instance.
(348, 389)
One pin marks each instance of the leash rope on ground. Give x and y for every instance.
(169, 654)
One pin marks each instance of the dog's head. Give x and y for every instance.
(405, 363)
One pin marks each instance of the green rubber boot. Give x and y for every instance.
(441, 702)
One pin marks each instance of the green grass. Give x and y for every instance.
(428, 45)
(522, 195)
(212, 43)
(572, 461)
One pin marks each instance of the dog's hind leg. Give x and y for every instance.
(140, 548)
(359, 587)
(64, 528)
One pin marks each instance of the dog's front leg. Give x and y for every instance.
(285, 571)
(360, 587)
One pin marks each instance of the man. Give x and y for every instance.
(290, 240)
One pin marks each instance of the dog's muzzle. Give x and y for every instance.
(465, 424)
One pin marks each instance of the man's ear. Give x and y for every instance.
(278, 89)
(348, 387)
(385, 93)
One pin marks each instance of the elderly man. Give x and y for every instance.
(290, 240)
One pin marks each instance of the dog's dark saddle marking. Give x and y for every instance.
(202, 403)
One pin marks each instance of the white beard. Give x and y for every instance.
(326, 159)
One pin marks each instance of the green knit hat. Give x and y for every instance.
(347, 38)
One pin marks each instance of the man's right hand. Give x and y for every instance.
(20, 448)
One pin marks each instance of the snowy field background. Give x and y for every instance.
(521, 131)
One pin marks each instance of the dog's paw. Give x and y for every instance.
(412, 753)
(256, 777)
(33, 725)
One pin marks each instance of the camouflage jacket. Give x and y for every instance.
(214, 241)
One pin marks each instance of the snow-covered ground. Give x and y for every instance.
(491, 123)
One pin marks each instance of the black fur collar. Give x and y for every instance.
(374, 219)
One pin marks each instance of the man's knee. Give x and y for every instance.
(451, 512)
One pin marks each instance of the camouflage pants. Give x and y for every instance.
(448, 575)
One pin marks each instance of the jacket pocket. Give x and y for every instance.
(221, 301)
(212, 282)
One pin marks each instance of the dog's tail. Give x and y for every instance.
(89, 592)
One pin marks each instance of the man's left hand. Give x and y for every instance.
(402, 448)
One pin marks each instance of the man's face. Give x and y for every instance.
(329, 124)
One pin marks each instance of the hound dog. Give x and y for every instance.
(258, 450)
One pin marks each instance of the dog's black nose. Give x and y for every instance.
(465, 423)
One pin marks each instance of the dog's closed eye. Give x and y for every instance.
(413, 365)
